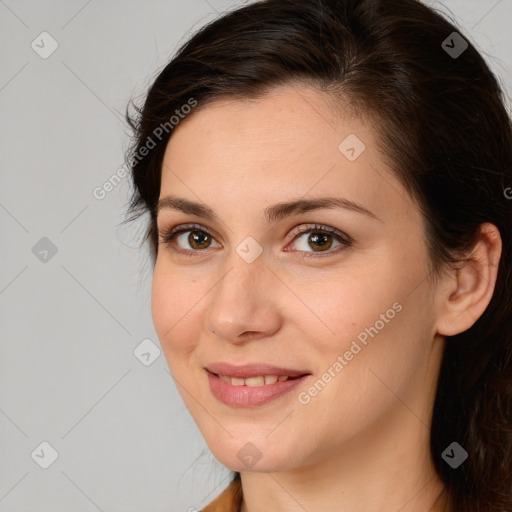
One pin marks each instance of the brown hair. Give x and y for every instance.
(447, 135)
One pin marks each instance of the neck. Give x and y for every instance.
(387, 469)
(427, 502)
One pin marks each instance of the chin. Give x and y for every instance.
(249, 455)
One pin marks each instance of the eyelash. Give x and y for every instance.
(167, 236)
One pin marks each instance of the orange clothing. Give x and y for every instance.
(230, 500)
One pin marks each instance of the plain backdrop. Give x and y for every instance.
(75, 285)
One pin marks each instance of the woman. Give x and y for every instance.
(376, 374)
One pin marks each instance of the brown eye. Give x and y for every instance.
(320, 240)
(198, 239)
(187, 239)
(193, 239)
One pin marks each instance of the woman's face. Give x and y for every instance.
(352, 310)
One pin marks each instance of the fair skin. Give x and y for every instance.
(362, 443)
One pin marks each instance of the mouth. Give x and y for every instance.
(257, 381)
(252, 385)
(248, 371)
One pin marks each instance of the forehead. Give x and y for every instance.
(284, 118)
(287, 144)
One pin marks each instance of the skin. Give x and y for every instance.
(362, 443)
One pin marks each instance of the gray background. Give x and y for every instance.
(72, 320)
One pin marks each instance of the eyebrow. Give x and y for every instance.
(273, 213)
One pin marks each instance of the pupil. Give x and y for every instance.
(194, 235)
(320, 236)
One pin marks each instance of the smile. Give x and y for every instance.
(255, 381)
(253, 391)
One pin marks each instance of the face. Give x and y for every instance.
(347, 304)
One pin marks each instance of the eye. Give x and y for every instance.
(199, 239)
(321, 241)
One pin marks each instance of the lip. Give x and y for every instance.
(252, 370)
(251, 396)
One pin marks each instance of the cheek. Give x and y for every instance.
(336, 308)
(377, 318)
(384, 347)
(373, 297)
(174, 309)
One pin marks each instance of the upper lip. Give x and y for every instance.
(252, 370)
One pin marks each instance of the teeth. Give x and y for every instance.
(253, 381)
(225, 379)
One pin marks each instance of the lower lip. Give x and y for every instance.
(250, 396)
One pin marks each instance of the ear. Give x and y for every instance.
(469, 289)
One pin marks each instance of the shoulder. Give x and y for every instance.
(229, 500)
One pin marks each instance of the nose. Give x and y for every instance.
(243, 305)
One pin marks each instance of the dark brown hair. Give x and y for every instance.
(444, 129)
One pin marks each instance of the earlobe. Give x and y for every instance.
(472, 285)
